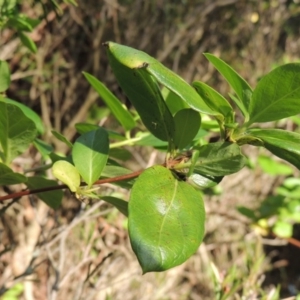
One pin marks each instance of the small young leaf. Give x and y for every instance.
(33, 116)
(219, 159)
(135, 59)
(284, 144)
(67, 173)
(120, 204)
(283, 229)
(27, 42)
(90, 153)
(187, 123)
(166, 220)
(4, 76)
(62, 138)
(44, 148)
(19, 23)
(238, 84)
(214, 100)
(114, 104)
(51, 198)
(16, 131)
(8, 176)
(277, 95)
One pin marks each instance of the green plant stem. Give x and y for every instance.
(64, 186)
(125, 143)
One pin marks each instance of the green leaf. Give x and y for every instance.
(4, 76)
(114, 104)
(27, 42)
(135, 59)
(173, 101)
(238, 84)
(202, 182)
(19, 23)
(44, 148)
(62, 138)
(51, 198)
(219, 159)
(187, 123)
(67, 173)
(214, 100)
(121, 154)
(16, 131)
(142, 91)
(90, 153)
(166, 220)
(120, 204)
(8, 176)
(272, 167)
(277, 95)
(284, 144)
(283, 229)
(33, 116)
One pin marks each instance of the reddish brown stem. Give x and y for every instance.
(64, 186)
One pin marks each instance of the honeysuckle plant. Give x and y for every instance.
(166, 215)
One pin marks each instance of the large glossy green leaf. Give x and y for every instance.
(90, 153)
(116, 107)
(219, 159)
(187, 123)
(214, 100)
(284, 144)
(277, 95)
(4, 76)
(135, 59)
(51, 198)
(28, 113)
(142, 90)
(16, 132)
(67, 173)
(238, 84)
(166, 220)
(8, 176)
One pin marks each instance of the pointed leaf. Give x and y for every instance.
(214, 100)
(142, 90)
(51, 198)
(187, 123)
(135, 59)
(16, 131)
(27, 42)
(219, 159)
(120, 204)
(114, 104)
(62, 138)
(238, 84)
(67, 173)
(284, 144)
(166, 220)
(8, 176)
(4, 76)
(90, 153)
(29, 113)
(277, 95)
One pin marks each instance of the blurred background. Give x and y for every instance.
(82, 251)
